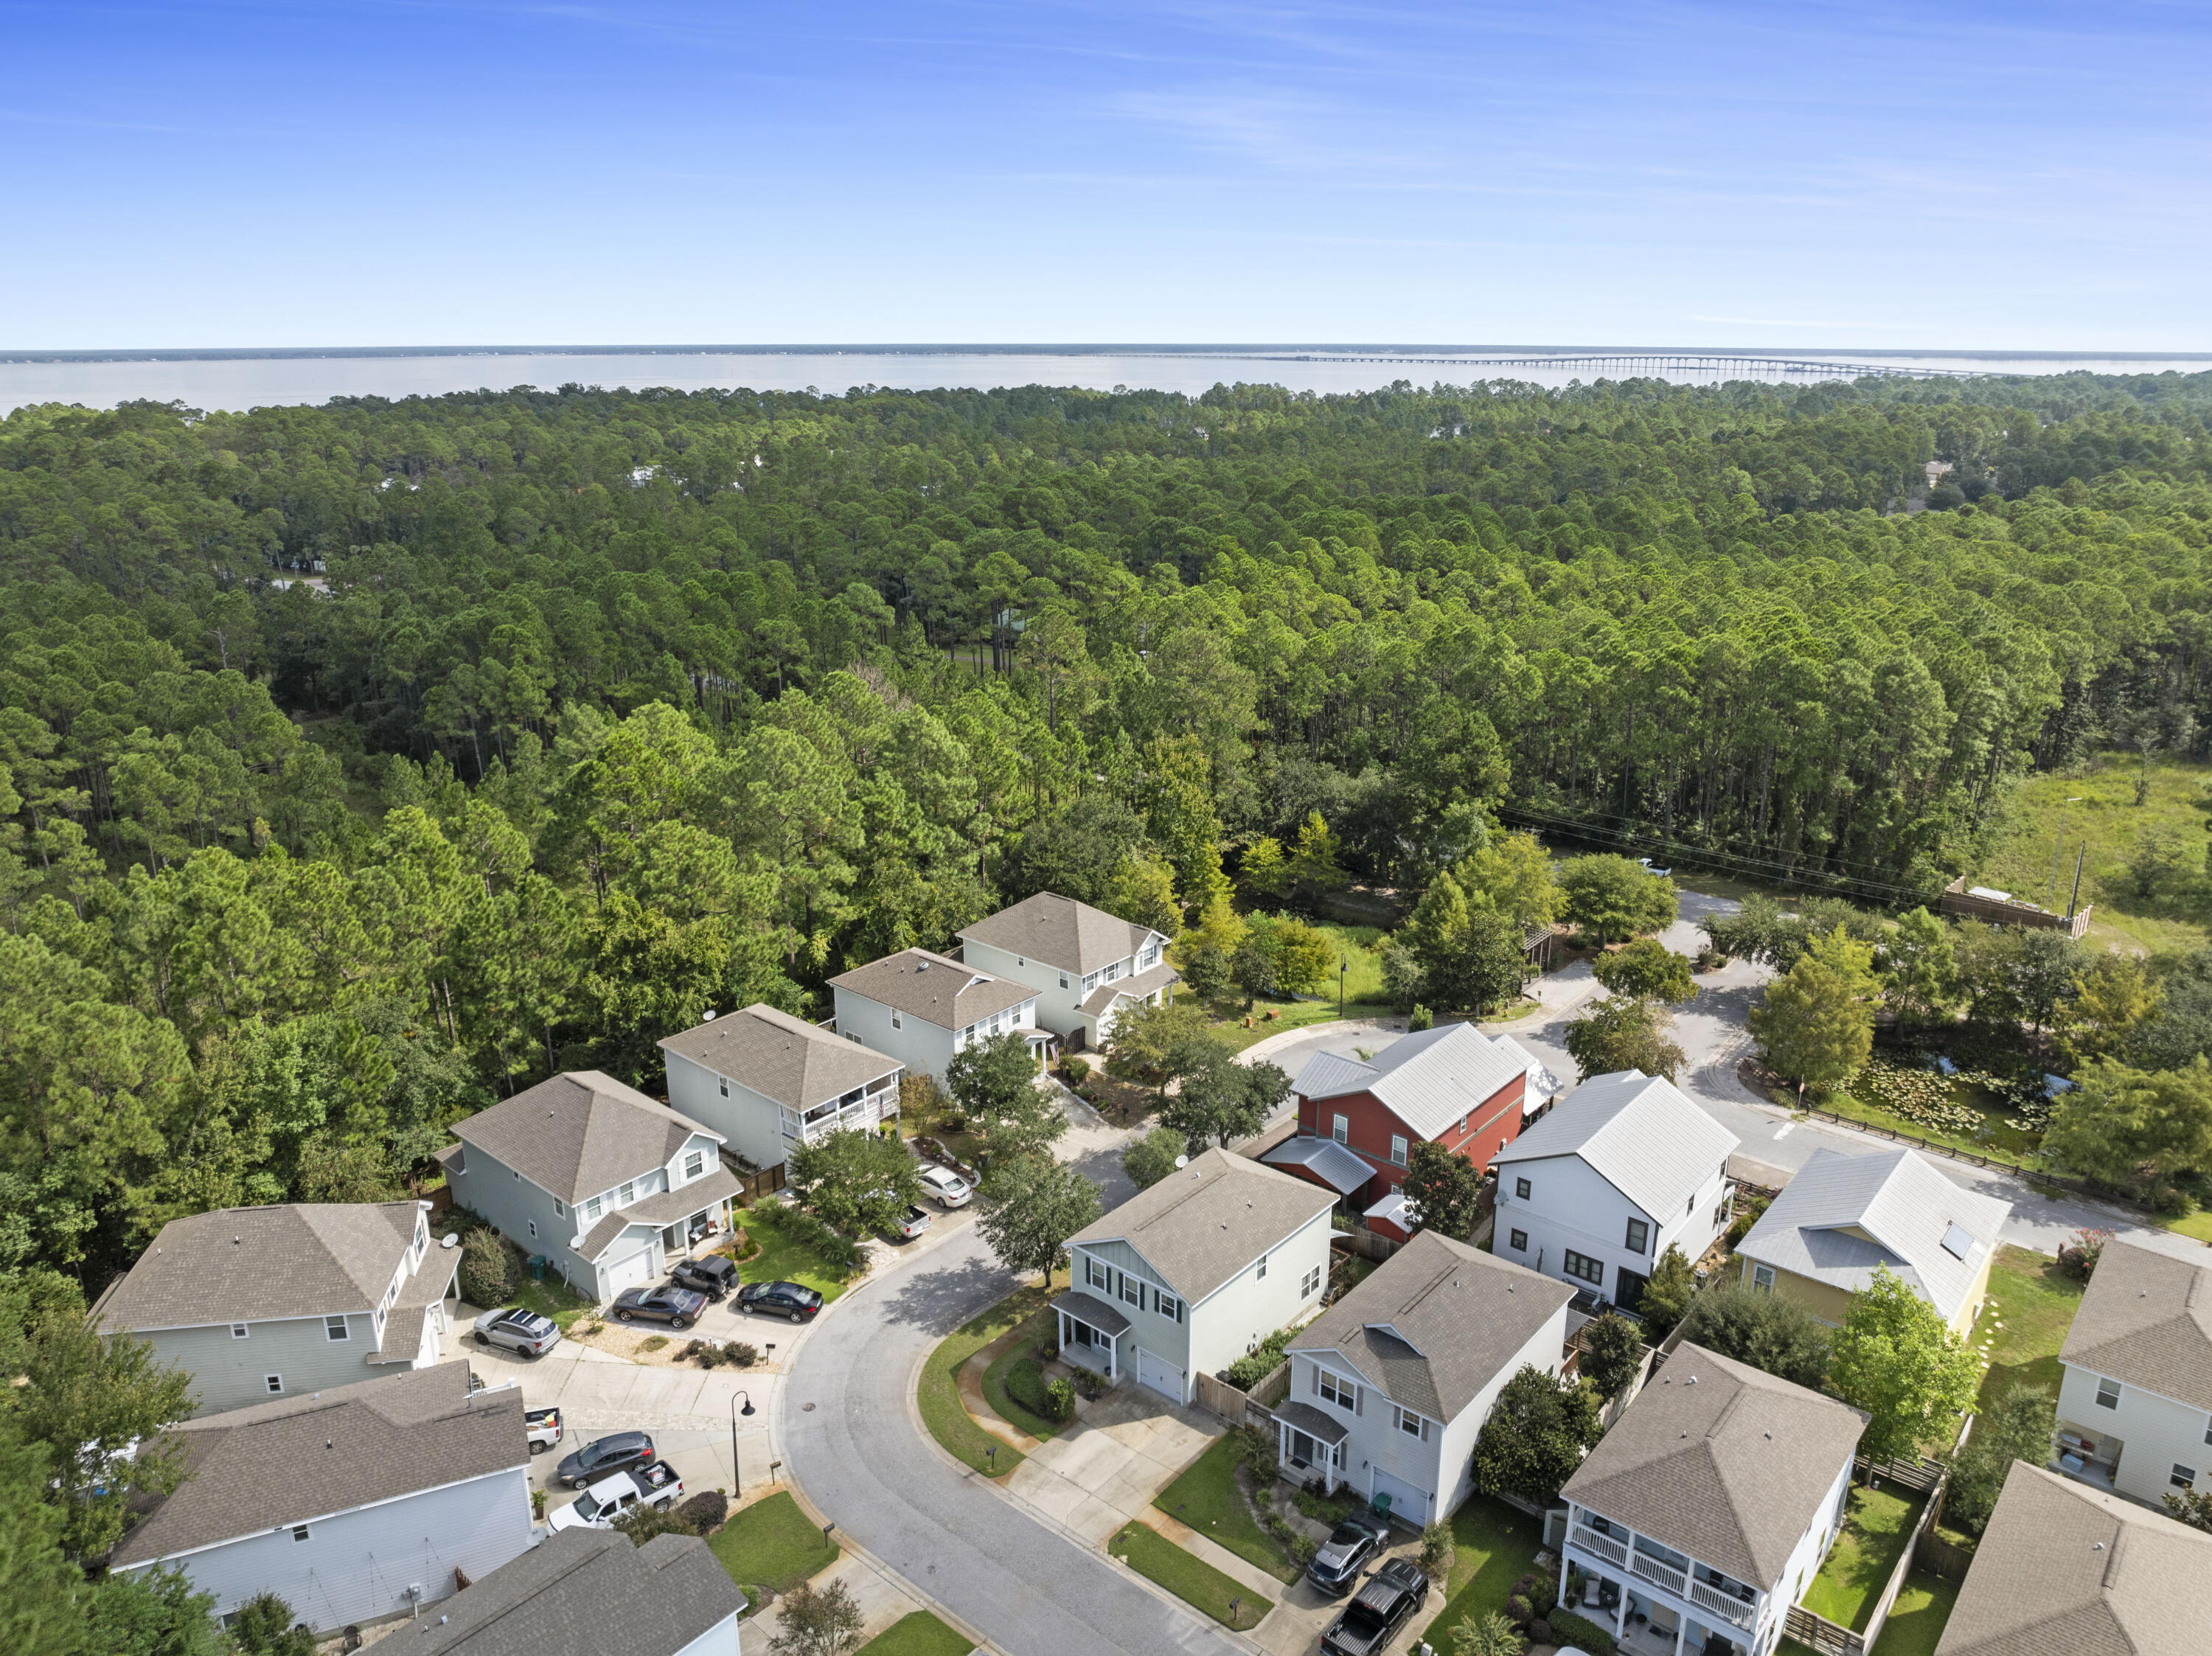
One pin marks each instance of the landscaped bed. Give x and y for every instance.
(772, 1543)
(2035, 1301)
(938, 1394)
(1206, 1498)
(1877, 1526)
(1495, 1545)
(919, 1634)
(1017, 1369)
(1964, 1111)
(1192, 1580)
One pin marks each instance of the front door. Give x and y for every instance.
(1629, 1292)
(1302, 1449)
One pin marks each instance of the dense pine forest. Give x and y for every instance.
(359, 763)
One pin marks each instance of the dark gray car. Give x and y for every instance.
(604, 1456)
(1345, 1553)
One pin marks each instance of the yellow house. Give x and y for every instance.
(1842, 1215)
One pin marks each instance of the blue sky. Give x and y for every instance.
(1972, 176)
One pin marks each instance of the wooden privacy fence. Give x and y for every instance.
(1368, 1244)
(1824, 1637)
(1940, 1557)
(1958, 900)
(758, 1182)
(1218, 1398)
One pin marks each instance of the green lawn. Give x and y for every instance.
(1876, 1528)
(1494, 1547)
(552, 1298)
(1206, 1498)
(1194, 1581)
(1035, 1332)
(918, 1634)
(2036, 1304)
(773, 1543)
(938, 1393)
(783, 1259)
(2198, 1224)
(1915, 1622)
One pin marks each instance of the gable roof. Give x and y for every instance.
(579, 1133)
(1428, 1079)
(2063, 1567)
(797, 1063)
(299, 1459)
(1543, 1085)
(1432, 1326)
(583, 1592)
(1721, 1461)
(1342, 1170)
(1138, 986)
(253, 1264)
(1642, 1137)
(2146, 1320)
(1060, 931)
(1203, 1224)
(933, 988)
(1906, 1206)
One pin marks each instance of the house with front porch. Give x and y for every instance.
(604, 1182)
(766, 1081)
(924, 1009)
(1705, 1511)
(2134, 1402)
(1391, 1386)
(1191, 1274)
(1085, 965)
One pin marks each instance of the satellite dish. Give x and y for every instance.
(1182, 1161)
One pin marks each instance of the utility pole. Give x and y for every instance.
(2074, 900)
(2059, 850)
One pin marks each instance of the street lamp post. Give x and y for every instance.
(1343, 965)
(737, 1477)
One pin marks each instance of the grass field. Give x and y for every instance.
(918, 1634)
(938, 1395)
(1495, 1546)
(1206, 1498)
(1876, 1529)
(784, 1258)
(772, 1543)
(552, 1298)
(2036, 1305)
(1916, 1620)
(1035, 1333)
(1192, 1580)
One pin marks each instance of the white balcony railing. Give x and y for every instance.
(1603, 1545)
(1659, 1575)
(1725, 1606)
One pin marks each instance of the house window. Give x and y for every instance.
(238, 1332)
(695, 1165)
(2108, 1394)
(1585, 1269)
(1412, 1424)
(1133, 1291)
(275, 1383)
(1639, 1236)
(723, 1083)
(2183, 1478)
(299, 1531)
(2207, 1429)
(1309, 1284)
(1342, 1392)
(1398, 1149)
(1262, 1275)
(1520, 1189)
(628, 1192)
(1096, 1274)
(1166, 1305)
(533, 1230)
(1517, 1241)
(1762, 1278)
(1339, 1128)
(591, 1208)
(334, 1328)
(560, 1211)
(1063, 979)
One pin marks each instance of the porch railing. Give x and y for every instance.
(1659, 1575)
(1603, 1545)
(1726, 1605)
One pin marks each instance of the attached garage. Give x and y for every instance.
(630, 1273)
(1405, 1502)
(1156, 1374)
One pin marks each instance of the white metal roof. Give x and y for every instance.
(1642, 1135)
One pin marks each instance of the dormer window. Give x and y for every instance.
(694, 1166)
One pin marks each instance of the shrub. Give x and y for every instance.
(642, 1524)
(1540, 1630)
(840, 1253)
(1303, 1549)
(742, 1354)
(487, 1273)
(1764, 1329)
(1076, 1070)
(1060, 1394)
(1747, 1217)
(1437, 1551)
(1582, 1632)
(1420, 1018)
(1025, 1385)
(266, 1627)
(1519, 1610)
(652, 1343)
(1255, 1365)
(705, 1511)
(1255, 1447)
(2078, 1258)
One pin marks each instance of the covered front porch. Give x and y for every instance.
(1090, 1335)
(691, 1215)
(1310, 1444)
(1652, 1624)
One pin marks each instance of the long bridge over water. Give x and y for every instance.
(1624, 365)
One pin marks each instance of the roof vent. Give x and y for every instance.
(236, 1241)
(921, 965)
(1693, 1380)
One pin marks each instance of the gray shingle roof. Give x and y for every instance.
(2146, 1320)
(298, 1458)
(1341, 1170)
(1204, 1223)
(933, 988)
(1090, 1309)
(780, 1057)
(1060, 931)
(2063, 1568)
(1431, 1326)
(579, 1133)
(1723, 1462)
(250, 1264)
(583, 1592)
(1644, 1138)
(1906, 1206)
(1429, 1079)
(1139, 985)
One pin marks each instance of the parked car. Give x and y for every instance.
(793, 1300)
(676, 1306)
(518, 1330)
(543, 1428)
(597, 1508)
(1377, 1610)
(950, 1189)
(1652, 868)
(712, 1274)
(910, 1224)
(1345, 1553)
(604, 1456)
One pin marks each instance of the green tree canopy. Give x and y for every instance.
(1612, 898)
(1646, 969)
(2135, 1130)
(855, 1181)
(1811, 1028)
(1534, 1436)
(1624, 1034)
(1896, 1358)
(1032, 1205)
(1763, 1329)
(1444, 1191)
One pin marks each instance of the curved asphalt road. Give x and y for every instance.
(866, 1464)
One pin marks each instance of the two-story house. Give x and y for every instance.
(1451, 1085)
(601, 1180)
(1705, 1511)
(1391, 1386)
(767, 1082)
(2135, 1403)
(922, 1008)
(1189, 1275)
(1624, 1168)
(1084, 964)
(1841, 1215)
(257, 1303)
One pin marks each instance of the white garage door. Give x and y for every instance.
(628, 1273)
(1152, 1372)
(1405, 1502)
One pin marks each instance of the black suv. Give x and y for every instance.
(714, 1275)
(791, 1300)
(1377, 1610)
(1345, 1553)
(604, 1456)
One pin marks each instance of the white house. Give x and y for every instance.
(351, 1504)
(602, 1180)
(1391, 1386)
(1543, 1089)
(2135, 1405)
(1085, 963)
(589, 1593)
(1189, 1276)
(1706, 1508)
(767, 1081)
(921, 1008)
(265, 1302)
(1624, 1168)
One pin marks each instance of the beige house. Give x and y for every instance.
(1843, 1215)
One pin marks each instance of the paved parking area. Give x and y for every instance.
(1105, 1469)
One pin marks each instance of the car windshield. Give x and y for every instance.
(606, 1449)
(585, 1507)
(1347, 1534)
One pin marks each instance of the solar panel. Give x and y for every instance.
(1957, 1243)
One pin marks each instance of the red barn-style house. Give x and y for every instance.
(1359, 1122)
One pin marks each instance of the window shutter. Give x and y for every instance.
(1358, 1400)
(1425, 1430)
(1316, 1372)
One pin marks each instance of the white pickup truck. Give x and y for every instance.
(543, 1428)
(654, 1484)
